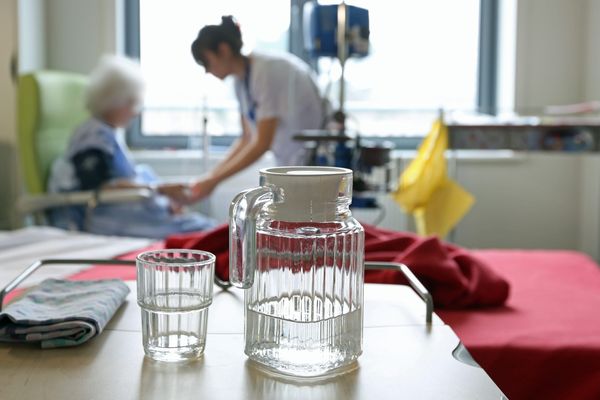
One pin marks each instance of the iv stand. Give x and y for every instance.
(342, 23)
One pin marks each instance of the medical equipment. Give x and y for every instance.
(321, 30)
(298, 252)
(342, 31)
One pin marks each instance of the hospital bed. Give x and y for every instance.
(424, 349)
(544, 343)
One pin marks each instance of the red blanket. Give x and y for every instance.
(455, 278)
(544, 343)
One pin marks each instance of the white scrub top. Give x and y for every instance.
(281, 86)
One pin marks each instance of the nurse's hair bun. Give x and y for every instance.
(211, 36)
(232, 26)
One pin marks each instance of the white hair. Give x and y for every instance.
(115, 82)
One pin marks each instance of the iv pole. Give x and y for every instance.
(342, 48)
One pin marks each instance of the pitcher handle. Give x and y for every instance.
(243, 212)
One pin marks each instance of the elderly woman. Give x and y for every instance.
(96, 159)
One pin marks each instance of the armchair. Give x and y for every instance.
(50, 106)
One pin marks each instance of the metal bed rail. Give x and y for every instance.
(416, 285)
(38, 264)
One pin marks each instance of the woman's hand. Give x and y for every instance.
(202, 188)
(178, 192)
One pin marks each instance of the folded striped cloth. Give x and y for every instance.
(59, 313)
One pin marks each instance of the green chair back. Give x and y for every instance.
(51, 105)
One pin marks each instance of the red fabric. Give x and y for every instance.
(124, 272)
(545, 342)
(455, 278)
(215, 241)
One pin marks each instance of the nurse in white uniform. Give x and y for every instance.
(277, 98)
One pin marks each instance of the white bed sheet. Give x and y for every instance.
(20, 248)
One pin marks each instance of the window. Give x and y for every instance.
(179, 94)
(424, 55)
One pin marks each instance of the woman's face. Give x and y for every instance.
(219, 63)
(122, 116)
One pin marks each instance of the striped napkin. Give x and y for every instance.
(59, 313)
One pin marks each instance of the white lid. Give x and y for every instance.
(308, 193)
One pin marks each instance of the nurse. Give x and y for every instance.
(277, 99)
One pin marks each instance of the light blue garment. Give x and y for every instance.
(96, 135)
(150, 218)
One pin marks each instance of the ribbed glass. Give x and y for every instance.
(304, 310)
(174, 291)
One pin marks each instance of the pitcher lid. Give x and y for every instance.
(308, 193)
(305, 171)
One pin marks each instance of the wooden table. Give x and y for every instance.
(403, 359)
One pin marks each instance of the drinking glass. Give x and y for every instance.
(174, 291)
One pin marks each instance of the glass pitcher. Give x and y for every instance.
(298, 252)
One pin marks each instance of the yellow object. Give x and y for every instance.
(436, 202)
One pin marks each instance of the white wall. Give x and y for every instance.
(8, 121)
(551, 52)
(8, 52)
(531, 201)
(592, 52)
(589, 213)
(79, 32)
(69, 35)
(32, 35)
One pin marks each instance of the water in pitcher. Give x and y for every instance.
(304, 311)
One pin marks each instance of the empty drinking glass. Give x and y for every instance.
(174, 290)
